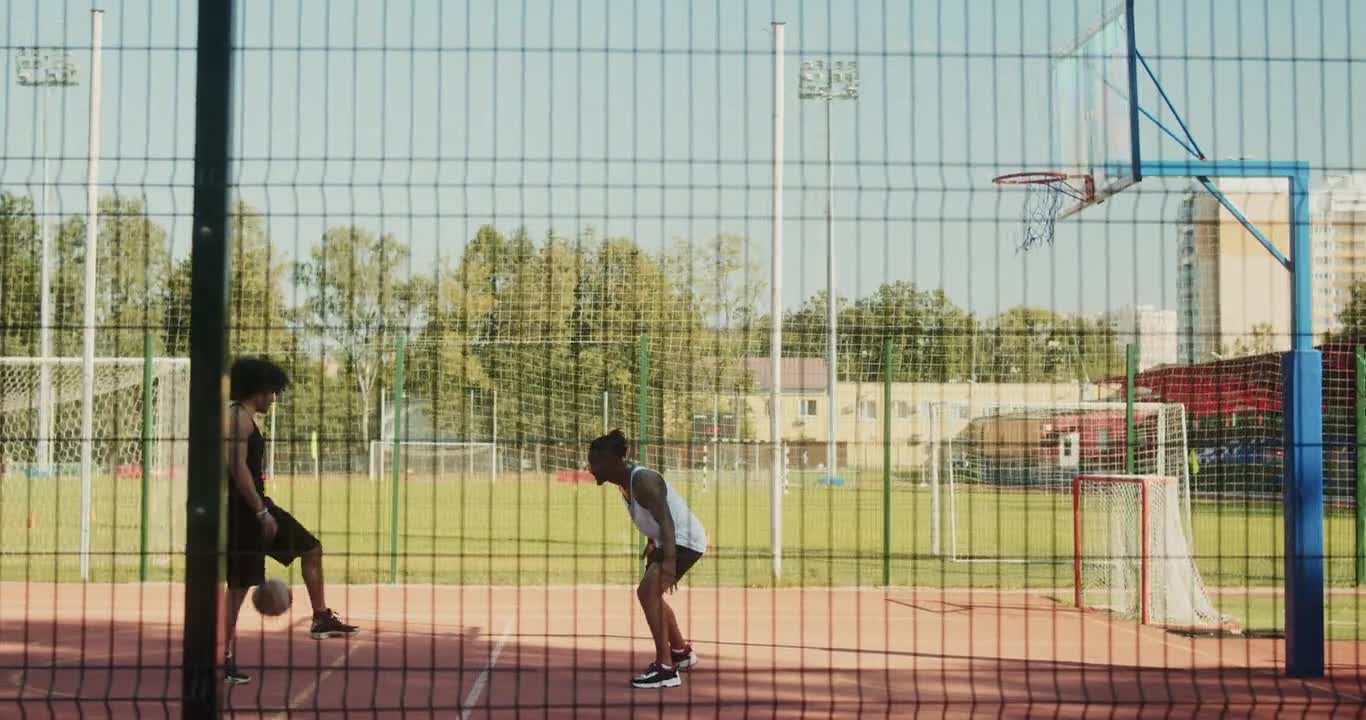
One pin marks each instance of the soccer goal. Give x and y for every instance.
(436, 460)
(138, 450)
(1132, 554)
(1000, 473)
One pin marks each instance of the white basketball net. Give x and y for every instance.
(1041, 206)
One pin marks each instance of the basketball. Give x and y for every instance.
(272, 598)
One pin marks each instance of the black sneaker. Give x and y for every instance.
(326, 624)
(657, 676)
(233, 676)
(683, 659)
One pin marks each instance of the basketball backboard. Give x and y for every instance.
(1095, 110)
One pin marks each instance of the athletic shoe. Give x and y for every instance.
(684, 659)
(326, 624)
(233, 676)
(656, 676)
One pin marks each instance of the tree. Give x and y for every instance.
(1098, 347)
(478, 307)
(716, 292)
(714, 279)
(1261, 339)
(259, 317)
(1352, 317)
(440, 362)
(178, 298)
(553, 325)
(620, 294)
(806, 329)
(356, 303)
(1028, 344)
(935, 340)
(931, 336)
(133, 268)
(19, 259)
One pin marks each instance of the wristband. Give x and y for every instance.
(264, 512)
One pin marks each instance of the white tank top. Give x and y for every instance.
(688, 530)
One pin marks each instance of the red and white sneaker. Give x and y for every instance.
(684, 658)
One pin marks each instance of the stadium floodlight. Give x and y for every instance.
(840, 81)
(44, 69)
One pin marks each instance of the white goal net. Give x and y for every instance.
(141, 420)
(1132, 553)
(1000, 473)
(434, 461)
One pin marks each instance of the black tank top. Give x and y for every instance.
(256, 458)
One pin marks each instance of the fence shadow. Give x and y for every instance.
(126, 669)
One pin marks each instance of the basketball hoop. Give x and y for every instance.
(1044, 195)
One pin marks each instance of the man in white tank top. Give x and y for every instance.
(677, 541)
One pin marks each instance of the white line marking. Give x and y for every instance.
(477, 689)
(302, 696)
(33, 692)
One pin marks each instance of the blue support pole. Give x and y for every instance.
(1303, 506)
(1302, 374)
(1303, 482)
(1242, 219)
(1302, 368)
(1221, 168)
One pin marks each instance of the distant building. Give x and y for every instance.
(1230, 289)
(803, 420)
(800, 374)
(1153, 329)
(1339, 246)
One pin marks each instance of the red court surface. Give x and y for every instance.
(506, 652)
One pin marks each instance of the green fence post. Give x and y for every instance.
(400, 353)
(146, 509)
(643, 400)
(1361, 466)
(1130, 432)
(886, 462)
(210, 295)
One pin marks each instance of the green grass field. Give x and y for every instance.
(1236, 544)
(532, 530)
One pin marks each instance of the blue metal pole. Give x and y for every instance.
(1241, 218)
(1303, 482)
(1302, 374)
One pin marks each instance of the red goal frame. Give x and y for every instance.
(1143, 569)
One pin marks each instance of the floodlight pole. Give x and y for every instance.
(91, 259)
(775, 348)
(831, 314)
(44, 71)
(840, 81)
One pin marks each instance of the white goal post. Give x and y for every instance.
(434, 460)
(1132, 554)
(140, 409)
(1000, 472)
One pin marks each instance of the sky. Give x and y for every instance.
(653, 120)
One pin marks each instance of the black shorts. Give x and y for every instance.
(247, 553)
(684, 559)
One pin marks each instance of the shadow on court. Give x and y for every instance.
(524, 668)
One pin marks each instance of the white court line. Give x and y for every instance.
(19, 677)
(302, 696)
(477, 688)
